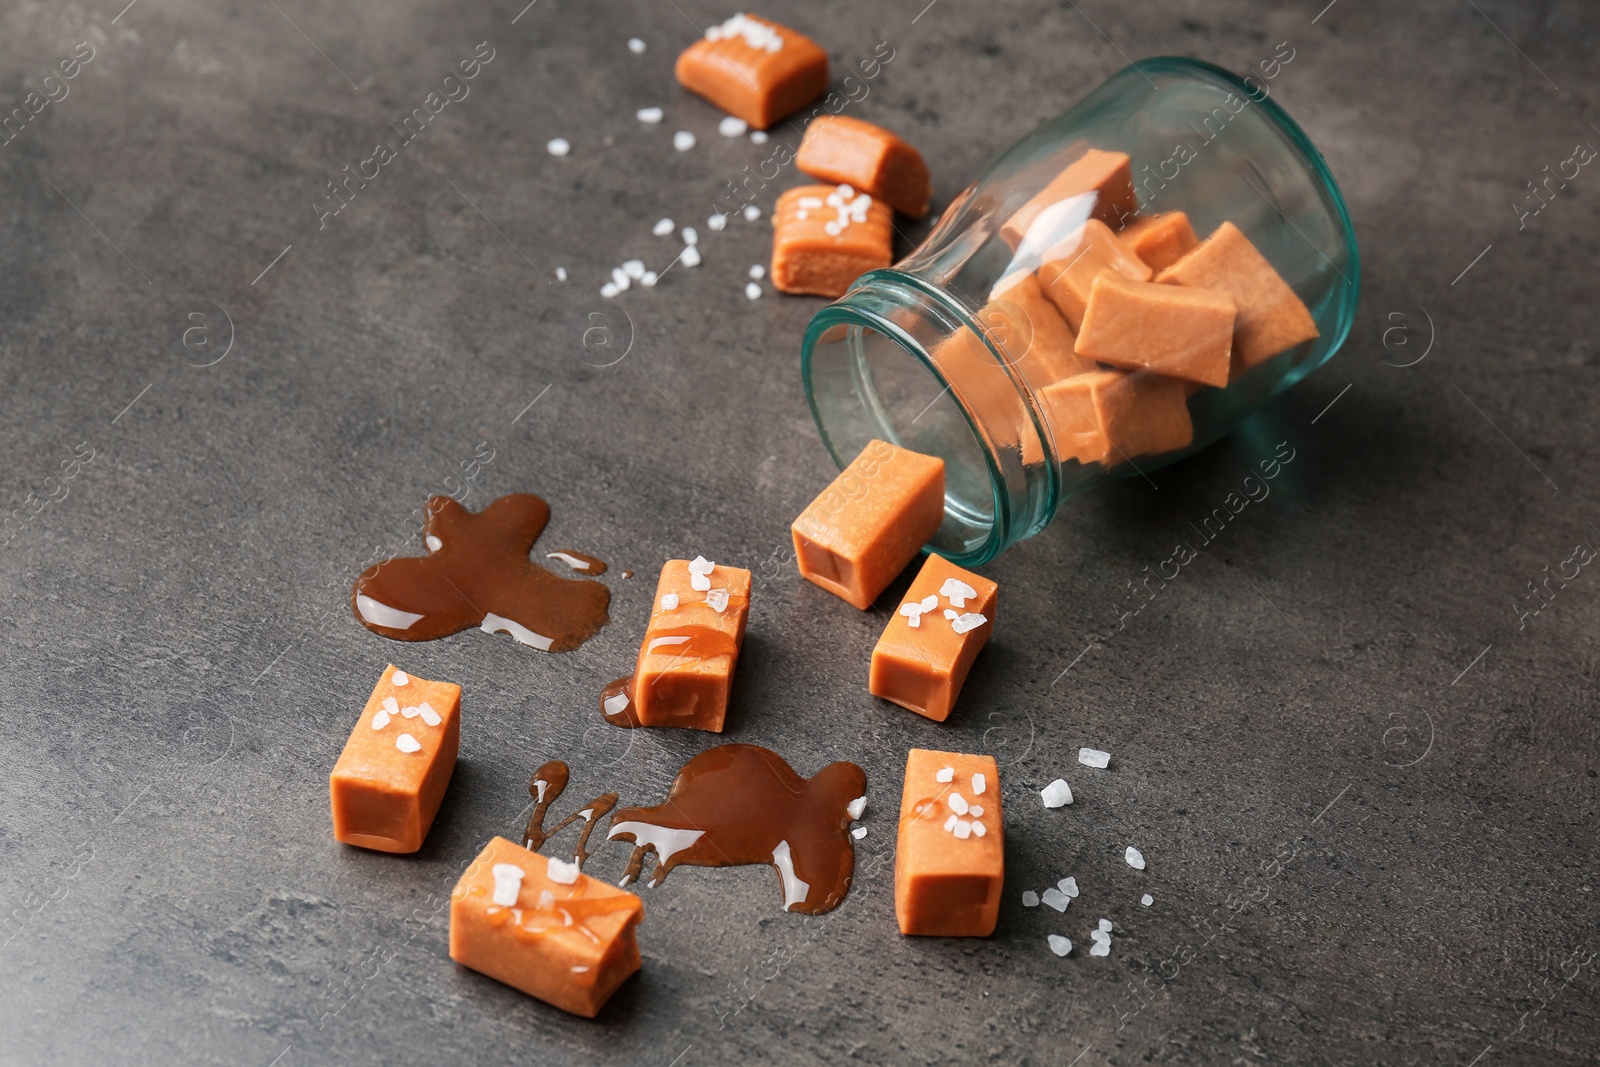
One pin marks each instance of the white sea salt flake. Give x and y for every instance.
(400, 678)
(757, 271)
(649, 115)
(561, 274)
(756, 34)
(407, 743)
(1105, 925)
(845, 191)
(380, 720)
(831, 228)
(717, 222)
(1030, 899)
(958, 803)
(620, 279)
(963, 829)
(733, 127)
(683, 140)
(1059, 945)
(977, 827)
(649, 279)
(810, 202)
(669, 602)
(636, 46)
(957, 592)
(691, 236)
(758, 136)
(429, 716)
(608, 290)
(976, 810)
(411, 712)
(558, 146)
(752, 290)
(561, 872)
(979, 783)
(662, 228)
(1069, 886)
(701, 565)
(969, 621)
(751, 213)
(945, 774)
(1135, 858)
(718, 600)
(690, 257)
(633, 268)
(929, 603)
(950, 823)
(507, 883)
(856, 807)
(1100, 948)
(391, 705)
(859, 832)
(1054, 898)
(1147, 900)
(951, 614)
(913, 613)
(1057, 794)
(1093, 757)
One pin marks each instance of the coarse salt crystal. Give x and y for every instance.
(380, 720)
(1135, 858)
(649, 279)
(1057, 794)
(1093, 757)
(856, 807)
(400, 678)
(1105, 925)
(691, 236)
(391, 705)
(752, 290)
(751, 213)
(558, 146)
(913, 613)
(507, 883)
(649, 115)
(810, 202)
(950, 823)
(636, 46)
(831, 228)
(1059, 945)
(951, 614)
(561, 872)
(957, 592)
(669, 602)
(979, 783)
(662, 228)
(1147, 900)
(976, 810)
(690, 257)
(1100, 948)
(756, 34)
(410, 712)
(620, 279)
(608, 290)
(758, 137)
(407, 743)
(718, 600)
(1030, 899)
(561, 274)
(963, 829)
(701, 565)
(859, 832)
(958, 803)
(757, 271)
(1054, 898)
(845, 191)
(969, 621)
(633, 268)
(945, 774)
(1069, 886)
(977, 827)
(683, 140)
(429, 716)
(718, 221)
(732, 127)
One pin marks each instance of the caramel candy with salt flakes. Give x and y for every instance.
(755, 69)
(1271, 320)
(825, 237)
(840, 149)
(686, 661)
(1159, 240)
(861, 531)
(389, 780)
(1166, 329)
(1105, 175)
(922, 660)
(544, 927)
(1069, 269)
(1112, 416)
(949, 861)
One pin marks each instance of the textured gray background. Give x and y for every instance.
(1366, 794)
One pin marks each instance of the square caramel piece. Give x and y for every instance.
(755, 69)
(544, 927)
(949, 863)
(825, 237)
(848, 151)
(1172, 330)
(1272, 319)
(1069, 269)
(691, 646)
(391, 776)
(1111, 416)
(860, 532)
(922, 659)
(1159, 240)
(1104, 175)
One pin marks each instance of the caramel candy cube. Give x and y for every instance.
(840, 149)
(755, 69)
(949, 863)
(1167, 329)
(1159, 240)
(1272, 319)
(1070, 268)
(824, 238)
(922, 659)
(1106, 175)
(543, 926)
(1034, 335)
(1111, 416)
(859, 534)
(389, 780)
(690, 648)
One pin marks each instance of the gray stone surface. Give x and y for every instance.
(1332, 722)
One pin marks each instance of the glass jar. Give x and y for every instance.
(928, 355)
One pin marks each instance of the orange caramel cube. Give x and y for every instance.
(1105, 175)
(1167, 329)
(755, 69)
(1159, 240)
(861, 531)
(1111, 416)
(1034, 335)
(544, 927)
(1070, 268)
(824, 238)
(949, 862)
(1272, 319)
(686, 661)
(386, 787)
(922, 659)
(845, 150)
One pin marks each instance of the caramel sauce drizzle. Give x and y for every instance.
(546, 786)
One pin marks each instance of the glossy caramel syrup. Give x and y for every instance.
(742, 804)
(546, 786)
(477, 573)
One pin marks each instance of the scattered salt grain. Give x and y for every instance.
(756, 34)
(758, 137)
(391, 705)
(662, 228)
(410, 712)
(970, 621)
(507, 883)
(558, 146)
(647, 281)
(856, 807)
(979, 783)
(757, 271)
(1105, 926)
(636, 46)
(718, 600)
(690, 257)
(951, 614)
(1135, 858)
(633, 268)
(945, 774)
(957, 592)
(958, 803)
(977, 827)
(691, 236)
(380, 720)
(1069, 886)
(963, 829)
(608, 290)
(1057, 794)
(669, 602)
(976, 810)
(1059, 945)
(429, 716)
(561, 274)
(1100, 948)
(620, 279)
(683, 140)
(732, 127)
(1147, 900)
(407, 743)
(1030, 899)
(561, 872)
(717, 222)
(950, 823)
(649, 115)
(752, 290)
(1093, 757)
(400, 678)
(1054, 898)
(859, 832)
(751, 213)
